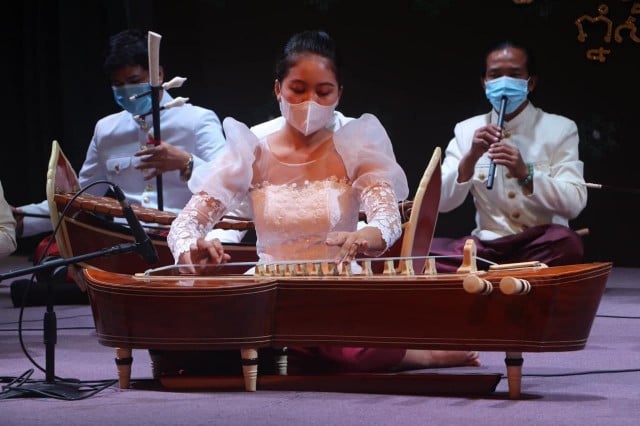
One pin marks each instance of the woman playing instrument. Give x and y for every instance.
(306, 175)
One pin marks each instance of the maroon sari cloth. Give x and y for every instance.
(334, 359)
(549, 244)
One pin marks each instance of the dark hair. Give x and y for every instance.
(304, 43)
(128, 47)
(507, 44)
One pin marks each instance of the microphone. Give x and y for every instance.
(492, 166)
(144, 246)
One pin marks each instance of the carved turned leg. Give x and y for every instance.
(123, 362)
(249, 368)
(514, 361)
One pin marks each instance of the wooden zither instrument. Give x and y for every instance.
(525, 309)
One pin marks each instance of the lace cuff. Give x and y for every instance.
(197, 218)
(381, 207)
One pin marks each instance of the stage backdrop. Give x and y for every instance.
(415, 64)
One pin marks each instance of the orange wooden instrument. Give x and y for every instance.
(88, 227)
(111, 207)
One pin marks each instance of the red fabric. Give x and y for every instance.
(40, 253)
(334, 359)
(42, 246)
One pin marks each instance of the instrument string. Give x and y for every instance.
(175, 267)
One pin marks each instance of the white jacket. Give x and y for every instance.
(550, 143)
(110, 157)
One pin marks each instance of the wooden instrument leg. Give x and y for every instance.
(514, 361)
(250, 368)
(281, 360)
(123, 363)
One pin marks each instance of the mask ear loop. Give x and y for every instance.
(277, 89)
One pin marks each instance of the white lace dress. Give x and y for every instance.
(295, 206)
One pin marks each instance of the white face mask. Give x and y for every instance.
(309, 116)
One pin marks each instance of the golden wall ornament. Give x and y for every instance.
(628, 26)
(603, 10)
(599, 54)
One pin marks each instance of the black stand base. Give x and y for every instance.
(63, 389)
(58, 390)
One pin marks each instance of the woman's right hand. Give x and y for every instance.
(203, 252)
(483, 138)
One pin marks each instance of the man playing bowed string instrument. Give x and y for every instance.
(120, 151)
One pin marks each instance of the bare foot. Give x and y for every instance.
(415, 359)
(454, 358)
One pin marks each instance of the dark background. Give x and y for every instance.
(415, 64)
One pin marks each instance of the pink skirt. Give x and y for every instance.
(334, 359)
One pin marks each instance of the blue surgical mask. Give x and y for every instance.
(515, 89)
(138, 106)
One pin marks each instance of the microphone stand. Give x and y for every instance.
(51, 387)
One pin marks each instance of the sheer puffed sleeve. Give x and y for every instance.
(368, 155)
(371, 165)
(218, 186)
(228, 177)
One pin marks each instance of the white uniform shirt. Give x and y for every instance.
(7, 227)
(550, 143)
(110, 157)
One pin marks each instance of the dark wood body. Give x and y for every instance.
(385, 311)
